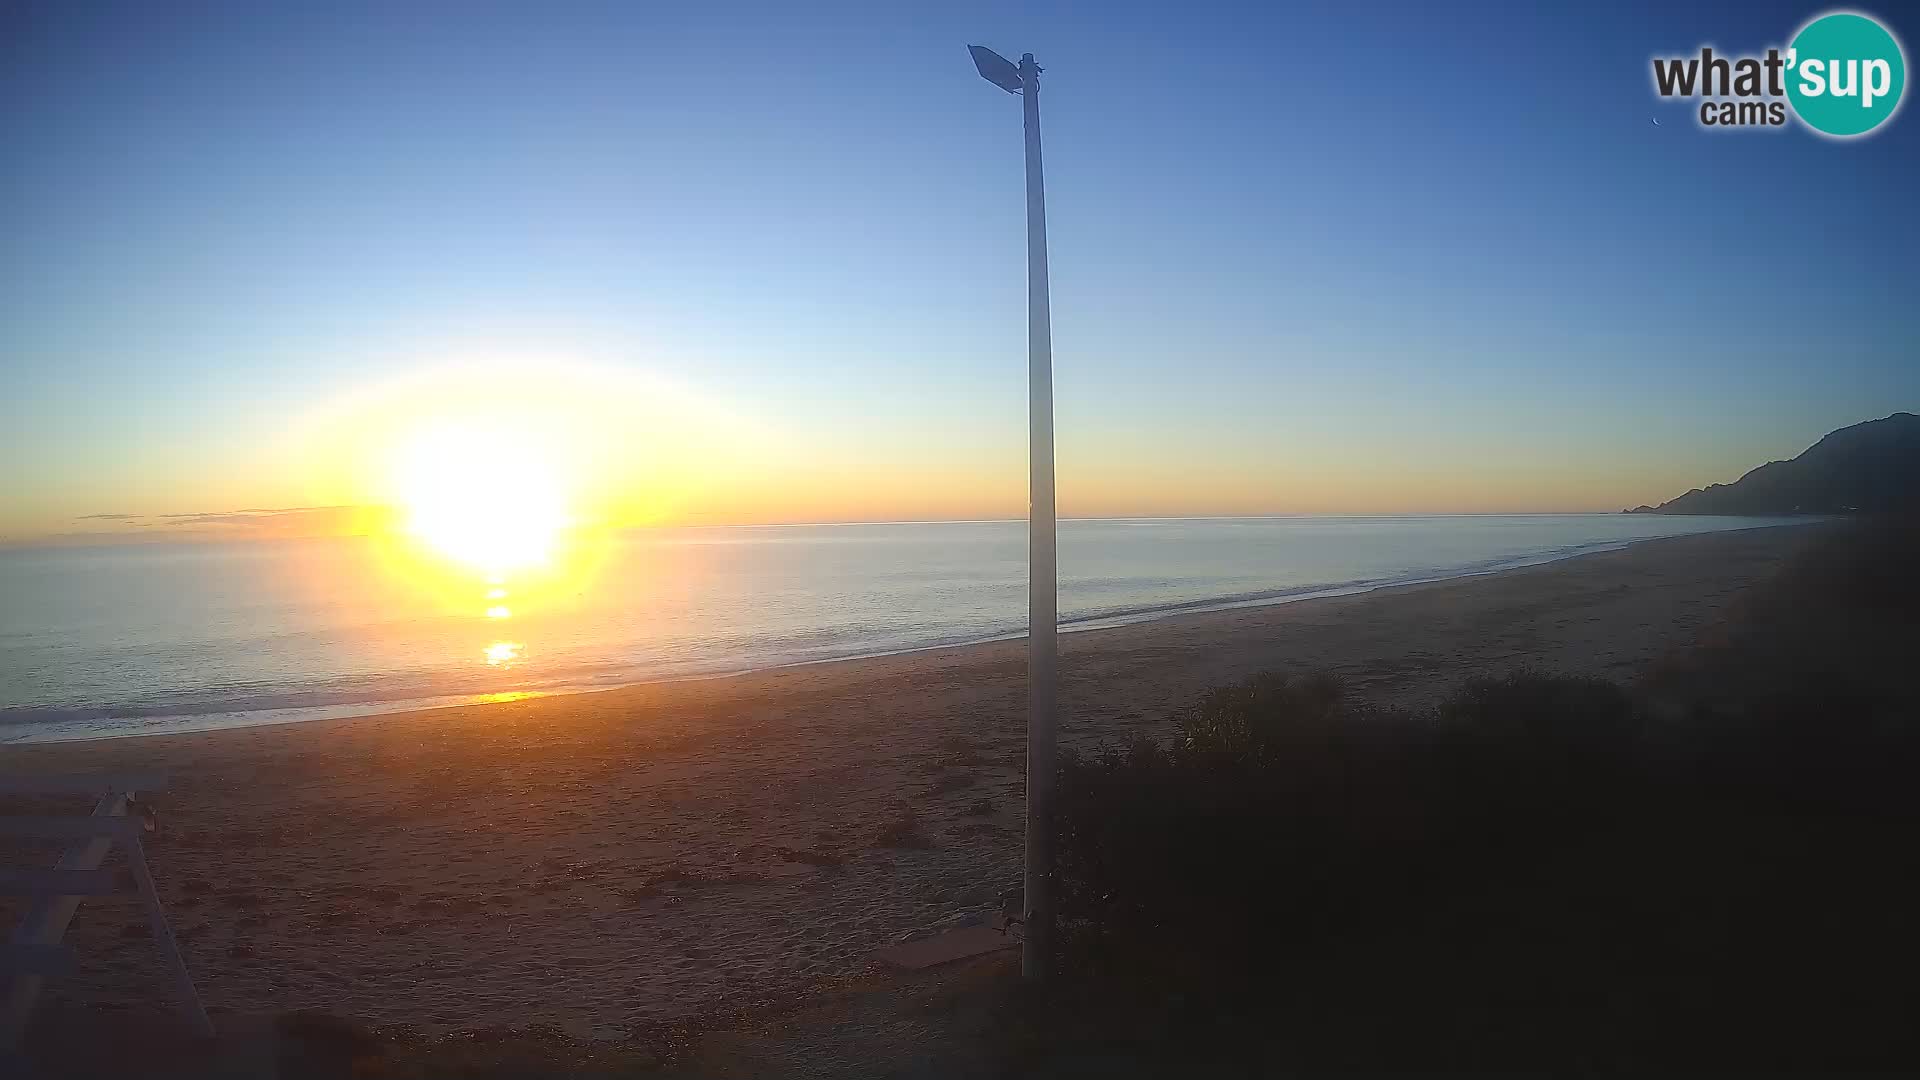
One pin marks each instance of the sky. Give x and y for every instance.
(763, 264)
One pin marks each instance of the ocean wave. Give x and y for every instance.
(829, 634)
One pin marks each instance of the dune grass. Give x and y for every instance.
(1714, 870)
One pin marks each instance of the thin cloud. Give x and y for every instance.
(286, 521)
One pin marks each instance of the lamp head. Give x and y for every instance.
(996, 69)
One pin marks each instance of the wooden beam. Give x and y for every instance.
(42, 961)
(46, 919)
(190, 1007)
(83, 783)
(63, 882)
(77, 828)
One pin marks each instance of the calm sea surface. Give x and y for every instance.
(151, 638)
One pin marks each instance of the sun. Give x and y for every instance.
(482, 493)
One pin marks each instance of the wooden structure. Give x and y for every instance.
(35, 953)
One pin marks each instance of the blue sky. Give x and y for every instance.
(1348, 257)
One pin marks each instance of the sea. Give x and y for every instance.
(153, 638)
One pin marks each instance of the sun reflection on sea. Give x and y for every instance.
(486, 530)
(508, 695)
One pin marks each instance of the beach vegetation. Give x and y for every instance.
(1709, 868)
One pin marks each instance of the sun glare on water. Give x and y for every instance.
(486, 528)
(496, 490)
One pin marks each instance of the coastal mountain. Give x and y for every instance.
(1867, 468)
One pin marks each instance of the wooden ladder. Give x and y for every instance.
(35, 953)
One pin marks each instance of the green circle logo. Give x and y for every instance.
(1845, 74)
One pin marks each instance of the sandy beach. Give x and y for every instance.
(663, 853)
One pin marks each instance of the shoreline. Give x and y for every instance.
(647, 856)
(197, 723)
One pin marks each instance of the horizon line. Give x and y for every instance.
(107, 538)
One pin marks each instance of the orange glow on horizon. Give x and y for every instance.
(479, 466)
(490, 459)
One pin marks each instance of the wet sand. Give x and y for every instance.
(667, 853)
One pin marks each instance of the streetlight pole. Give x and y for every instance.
(1042, 564)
